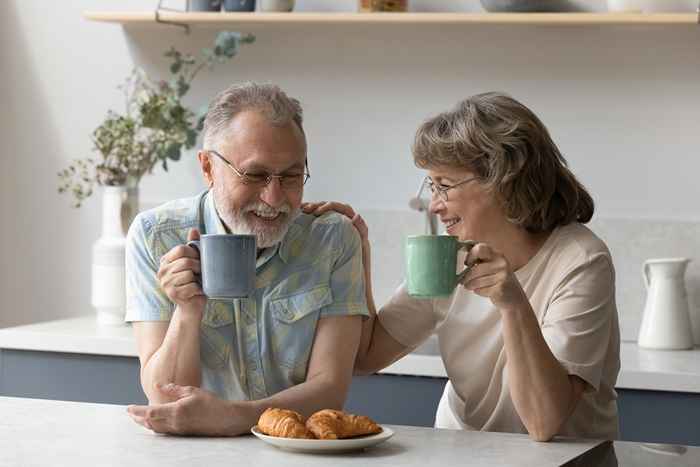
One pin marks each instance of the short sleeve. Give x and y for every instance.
(145, 300)
(578, 322)
(347, 275)
(407, 319)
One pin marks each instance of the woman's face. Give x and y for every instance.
(471, 212)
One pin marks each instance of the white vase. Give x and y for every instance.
(119, 207)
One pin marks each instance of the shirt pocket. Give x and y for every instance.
(216, 333)
(295, 317)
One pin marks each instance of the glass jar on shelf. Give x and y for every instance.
(368, 6)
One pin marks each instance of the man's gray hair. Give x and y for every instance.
(268, 99)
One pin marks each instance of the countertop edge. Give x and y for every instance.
(83, 335)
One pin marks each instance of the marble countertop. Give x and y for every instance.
(37, 432)
(640, 368)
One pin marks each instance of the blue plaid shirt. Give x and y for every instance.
(255, 347)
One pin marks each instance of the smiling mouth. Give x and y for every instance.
(451, 223)
(266, 217)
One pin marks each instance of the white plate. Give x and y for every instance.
(325, 445)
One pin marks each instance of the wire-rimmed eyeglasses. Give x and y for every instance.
(441, 190)
(290, 181)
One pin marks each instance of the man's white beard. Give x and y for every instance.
(238, 223)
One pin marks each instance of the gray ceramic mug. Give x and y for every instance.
(228, 265)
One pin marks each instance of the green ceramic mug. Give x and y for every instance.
(431, 261)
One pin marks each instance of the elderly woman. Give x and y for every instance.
(530, 340)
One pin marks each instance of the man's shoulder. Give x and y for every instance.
(330, 224)
(170, 216)
(326, 233)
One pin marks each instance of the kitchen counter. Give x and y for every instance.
(641, 369)
(37, 432)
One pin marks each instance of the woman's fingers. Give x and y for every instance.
(322, 207)
(480, 253)
(361, 226)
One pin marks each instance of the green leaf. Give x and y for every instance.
(182, 86)
(175, 67)
(173, 151)
(191, 138)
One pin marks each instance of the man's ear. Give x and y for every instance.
(205, 164)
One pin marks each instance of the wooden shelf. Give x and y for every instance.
(555, 19)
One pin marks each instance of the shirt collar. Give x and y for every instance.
(213, 224)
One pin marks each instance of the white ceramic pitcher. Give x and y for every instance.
(666, 321)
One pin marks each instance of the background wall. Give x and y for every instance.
(622, 103)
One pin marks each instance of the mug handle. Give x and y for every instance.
(196, 245)
(468, 245)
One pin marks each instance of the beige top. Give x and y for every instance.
(571, 286)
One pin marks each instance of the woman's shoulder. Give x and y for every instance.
(577, 241)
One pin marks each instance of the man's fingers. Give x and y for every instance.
(184, 264)
(137, 410)
(193, 234)
(180, 251)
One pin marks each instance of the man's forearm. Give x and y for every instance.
(177, 359)
(306, 398)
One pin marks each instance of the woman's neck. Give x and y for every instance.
(519, 246)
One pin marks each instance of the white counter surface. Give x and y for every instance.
(41, 432)
(641, 369)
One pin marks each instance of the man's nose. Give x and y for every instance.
(272, 194)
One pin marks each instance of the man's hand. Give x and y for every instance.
(177, 276)
(194, 411)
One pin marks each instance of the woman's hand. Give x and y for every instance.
(322, 207)
(491, 276)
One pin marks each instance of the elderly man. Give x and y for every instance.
(212, 367)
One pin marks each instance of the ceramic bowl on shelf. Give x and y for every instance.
(527, 6)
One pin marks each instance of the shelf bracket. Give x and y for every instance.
(160, 7)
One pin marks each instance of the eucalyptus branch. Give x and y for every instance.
(155, 128)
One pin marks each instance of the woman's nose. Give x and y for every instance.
(436, 204)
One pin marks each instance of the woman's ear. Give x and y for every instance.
(206, 165)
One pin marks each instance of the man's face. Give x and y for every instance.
(254, 146)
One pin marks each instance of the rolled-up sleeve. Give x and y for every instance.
(145, 300)
(580, 317)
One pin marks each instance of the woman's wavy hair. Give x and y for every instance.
(509, 149)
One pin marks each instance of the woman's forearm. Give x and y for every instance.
(368, 324)
(177, 359)
(539, 386)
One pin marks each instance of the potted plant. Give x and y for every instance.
(156, 127)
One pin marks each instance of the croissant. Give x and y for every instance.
(334, 424)
(283, 423)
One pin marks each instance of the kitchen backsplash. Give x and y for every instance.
(631, 242)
